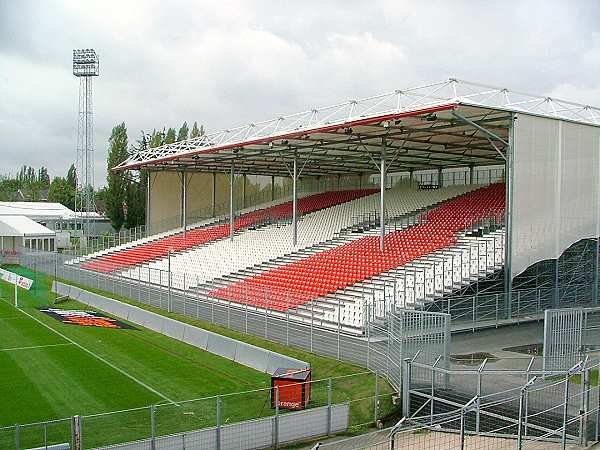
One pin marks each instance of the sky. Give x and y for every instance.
(228, 63)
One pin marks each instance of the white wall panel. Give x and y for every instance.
(555, 191)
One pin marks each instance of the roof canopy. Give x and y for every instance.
(23, 226)
(441, 125)
(40, 210)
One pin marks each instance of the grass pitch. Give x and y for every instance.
(50, 370)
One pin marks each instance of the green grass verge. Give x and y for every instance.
(59, 381)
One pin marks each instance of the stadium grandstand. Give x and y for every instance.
(414, 199)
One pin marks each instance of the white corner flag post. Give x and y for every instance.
(17, 280)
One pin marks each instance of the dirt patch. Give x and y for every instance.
(474, 359)
(531, 349)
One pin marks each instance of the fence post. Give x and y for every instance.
(368, 327)
(329, 398)
(376, 406)
(406, 387)
(479, 376)
(18, 437)
(462, 428)
(585, 406)
(153, 427)
(218, 429)
(276, 428)
(339, 327)
(565, 412)
(312, 318)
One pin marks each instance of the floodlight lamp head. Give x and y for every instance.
(86, 63)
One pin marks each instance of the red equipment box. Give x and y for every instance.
(294, 388)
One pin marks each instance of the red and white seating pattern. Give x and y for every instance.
(248, 250)
(307, 279)
(182, 241)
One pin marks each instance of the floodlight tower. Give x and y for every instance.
(85, 66)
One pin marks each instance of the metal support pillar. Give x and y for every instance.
(231, 176)
(148, 180)
(471, 174)
(244, 179)
(440, 179)
(295, 201)
(508, 218)
(272, 188)
(184, 201)
(214, 194)
(382, 198)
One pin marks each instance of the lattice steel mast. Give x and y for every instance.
(85, 66)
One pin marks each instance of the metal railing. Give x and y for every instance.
(241, 419)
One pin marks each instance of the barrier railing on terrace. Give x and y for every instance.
(515, 401)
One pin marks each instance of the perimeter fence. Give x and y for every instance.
(243, 420)
(380, 347)
(532, 410)
(507, 398)
(568, 334)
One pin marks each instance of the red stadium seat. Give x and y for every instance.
(160, 248)
(299, 282)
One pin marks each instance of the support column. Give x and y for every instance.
(440, 178)
(231, 176)
(272, 187)
(244, 177)
(295, 201)
(214, 194)
(382, 173)
(184, 201)
(508, 218)
(148, 180)
(471, 174)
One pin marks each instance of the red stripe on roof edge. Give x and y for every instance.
(290, 135)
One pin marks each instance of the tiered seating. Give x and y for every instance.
(328, 271)
(192, 238)
(317, 231)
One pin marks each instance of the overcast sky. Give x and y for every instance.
(227, 63)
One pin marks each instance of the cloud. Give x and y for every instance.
(233, 62)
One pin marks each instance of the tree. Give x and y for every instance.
(116, 191)
(197, 132)
(182, 135)
(60, 191)
(136, 190)
(170, 137)
(72, 176)
(157, 138)
(43, 178)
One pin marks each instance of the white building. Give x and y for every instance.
(20, 232)
(55, 216)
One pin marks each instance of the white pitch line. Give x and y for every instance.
(14, 349)
(95, 355)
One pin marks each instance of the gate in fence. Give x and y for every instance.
(568, 334)
(403, 334)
